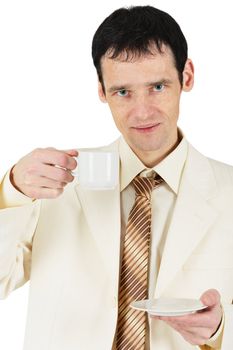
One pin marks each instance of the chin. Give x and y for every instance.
(147, 147)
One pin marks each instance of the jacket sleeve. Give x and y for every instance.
(227, 339)
(215, 342)
(18, 220)
(226, 335)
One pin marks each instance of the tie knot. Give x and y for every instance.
(144, 185)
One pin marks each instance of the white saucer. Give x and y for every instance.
(168, 306)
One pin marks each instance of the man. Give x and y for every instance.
(72, 242)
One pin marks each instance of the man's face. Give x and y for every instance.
(144, 95)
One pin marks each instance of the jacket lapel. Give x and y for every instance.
(102, 212)
(192, 217)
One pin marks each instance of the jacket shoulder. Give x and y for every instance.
(223, 172)
(218, 172)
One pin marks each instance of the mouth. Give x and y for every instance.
(146, 128)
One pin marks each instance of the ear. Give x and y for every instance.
(188, 76)
(101, 93)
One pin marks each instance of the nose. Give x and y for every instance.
(142, 107)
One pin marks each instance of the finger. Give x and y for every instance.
(199, 332)
(55, 157)
(211, 298)
(71, 152)
(47, 171)
(57, 174)
(179, 328)
(194, 339)
(209, 318)
(191, 320)
(41, 181)
(44, 193)
(194, 335)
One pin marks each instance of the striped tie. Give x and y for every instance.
(131, 327)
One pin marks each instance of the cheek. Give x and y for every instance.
(172, 110)
(120, 122)
(120, 114)
(168, 104)
(117, 118)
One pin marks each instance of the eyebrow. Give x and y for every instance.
(162, 81)
(127, 86)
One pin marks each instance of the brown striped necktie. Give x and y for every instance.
(131, 327)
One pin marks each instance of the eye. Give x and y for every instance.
(159, 87)
(122, 93)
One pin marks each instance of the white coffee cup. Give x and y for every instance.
(97, 170)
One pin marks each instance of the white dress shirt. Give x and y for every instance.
(162, 200)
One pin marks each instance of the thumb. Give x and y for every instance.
(211, 298)
(71, 152)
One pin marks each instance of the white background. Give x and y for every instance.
(48, 90)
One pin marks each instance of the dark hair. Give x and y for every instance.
(132, 31)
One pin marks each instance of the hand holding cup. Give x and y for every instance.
(44, 172)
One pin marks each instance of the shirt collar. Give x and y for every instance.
(170, 168)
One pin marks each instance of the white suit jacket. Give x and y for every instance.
(69, 247)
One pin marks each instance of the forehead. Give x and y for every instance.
(128, 65)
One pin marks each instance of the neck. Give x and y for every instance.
(152, 158)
